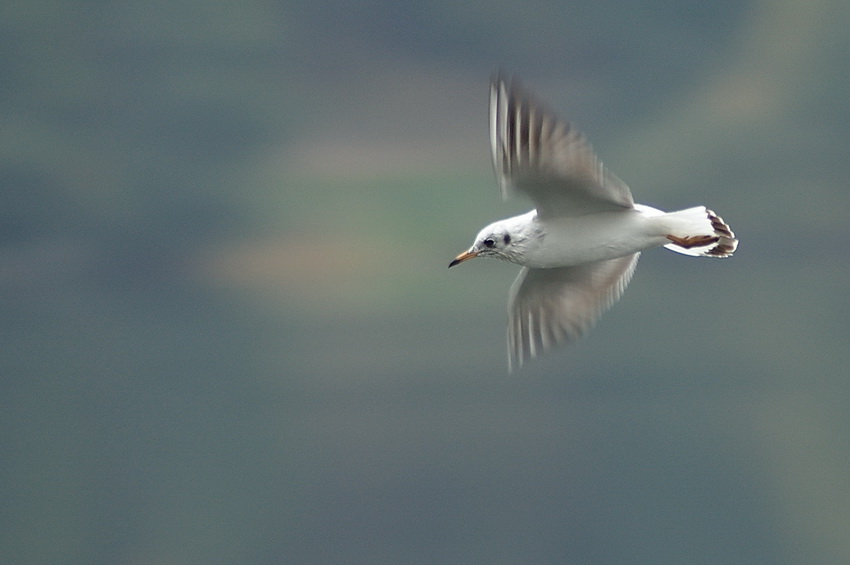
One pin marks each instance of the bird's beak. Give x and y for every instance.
(463, 257)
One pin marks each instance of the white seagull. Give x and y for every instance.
(579, 247)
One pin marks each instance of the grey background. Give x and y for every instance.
(229, 334)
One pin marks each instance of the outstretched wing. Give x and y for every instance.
(549, 307)
(538, 154)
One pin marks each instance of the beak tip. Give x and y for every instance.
(462, 257)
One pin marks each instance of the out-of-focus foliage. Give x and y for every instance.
(229, 331)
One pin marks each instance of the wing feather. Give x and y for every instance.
(549, 307)
(547, 159)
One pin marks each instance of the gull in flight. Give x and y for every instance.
(579, 247)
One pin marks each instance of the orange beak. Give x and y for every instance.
(463, 257)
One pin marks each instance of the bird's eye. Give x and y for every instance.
(489, 242)
(507, 239)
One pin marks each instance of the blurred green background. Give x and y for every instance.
(229, 334)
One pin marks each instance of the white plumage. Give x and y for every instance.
(580, 245)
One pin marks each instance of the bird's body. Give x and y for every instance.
(580, 246)
(583, 239)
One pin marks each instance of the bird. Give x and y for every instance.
(578, 248)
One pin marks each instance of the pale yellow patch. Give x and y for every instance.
(330, 274)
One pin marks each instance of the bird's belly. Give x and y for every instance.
(594, 237)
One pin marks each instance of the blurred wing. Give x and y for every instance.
(549, 307)
(547, 159)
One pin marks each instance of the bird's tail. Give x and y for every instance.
(699, 232)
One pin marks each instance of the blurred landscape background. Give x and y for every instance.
(229, 334)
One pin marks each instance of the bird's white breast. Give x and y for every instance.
(576, 240)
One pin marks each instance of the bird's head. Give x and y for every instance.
(501, 240)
